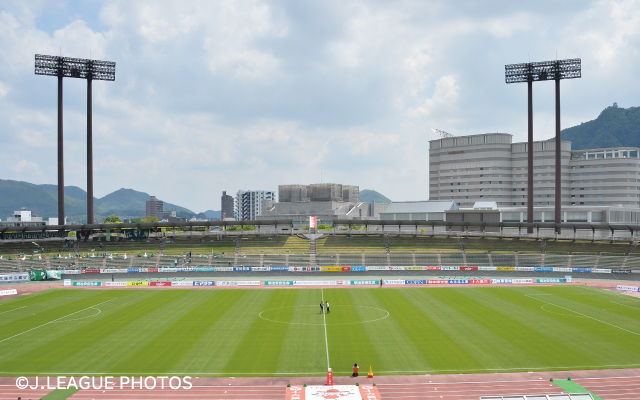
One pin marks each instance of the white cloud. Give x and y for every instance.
(444, 96)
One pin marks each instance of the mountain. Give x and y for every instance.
(211, 214)
(43, 201)
(367, 195)
(614, 127)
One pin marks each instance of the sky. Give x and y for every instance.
(229, 95)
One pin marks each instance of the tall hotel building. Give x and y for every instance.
(490, 167)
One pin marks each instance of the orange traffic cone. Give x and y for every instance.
(370, 372)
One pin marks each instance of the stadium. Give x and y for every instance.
(230, 314)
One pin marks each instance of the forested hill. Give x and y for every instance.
(614, 127)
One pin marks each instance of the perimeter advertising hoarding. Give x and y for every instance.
(486, 268)
(159, 283)
(278, 268)
(431, 268)
(137, 283)
(525, 268)
(90, 271)
(202, 269)
(14, 277)
(87, 283)
(67, 282)
(437, 282)
(8, 292)
(550, 280)
(480, 281)
(395, 268)
(365, 282)
(320, 283)
(505, 268)
(445, 268)
(394, 281)
(376, 268)
(458, 281)
(260, 269)
(580, 269)
(237, 283)
(204, 283)
(558, 269)
(115, 284)
(415, 282)
(628, 288)
(52, 274)
(501, 280)
(543, 269)
(312, 222)
(601, 271)
(468, 268)
(331, 269)
(278, 283)
(522, 281)
(413, 268)
(242, 269)
(182, 283)
(37, 275)
(358, 269)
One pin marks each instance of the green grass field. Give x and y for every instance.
(261, 332)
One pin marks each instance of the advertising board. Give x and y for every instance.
(278, 283)
(331, 269)
(437, 282)
(628, 288)
(415, 282)
(458, 281)
(394, 281)
(8, 292)
(115, 284)
(137, 283)
(159, 283)
(82, 283)
(14, 278)
(365, 282)
(203, 283)
(550, 280)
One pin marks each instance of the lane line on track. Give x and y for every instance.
(584, 315)
(57, 319)
(324, 318)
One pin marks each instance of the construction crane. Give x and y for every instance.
(442, 134)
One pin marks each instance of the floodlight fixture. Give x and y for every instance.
(67, 67)
(543, 71)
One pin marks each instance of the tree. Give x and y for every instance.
(136, 220)
(112, 219)
(150, 219)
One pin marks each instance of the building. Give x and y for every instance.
(249, 203)
(326, 201)
(432, 210)
(155, 208)
(226, 207)
(172, 217)
(23, 218)
(489, 167)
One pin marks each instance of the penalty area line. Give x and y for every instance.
(57, 319)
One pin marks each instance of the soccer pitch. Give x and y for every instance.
(281, 332)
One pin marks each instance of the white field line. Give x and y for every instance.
(586, 316)
(324, 318)
(12, 310)
(312, 373)
(626, 305)
(57, 319)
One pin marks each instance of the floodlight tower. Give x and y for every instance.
(75, 68)
(543, 71)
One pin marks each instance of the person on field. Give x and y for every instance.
(327, 304)
(321, 307)
(112, 277)
(355, 370)
(380, 282)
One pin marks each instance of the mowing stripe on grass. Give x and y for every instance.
(262, 344)
(12, 310)
(167, 347)
(324, 320)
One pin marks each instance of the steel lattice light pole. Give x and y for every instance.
(75, 68)
(543, 71)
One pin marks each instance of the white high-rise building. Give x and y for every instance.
(490, 167)
(249, 203)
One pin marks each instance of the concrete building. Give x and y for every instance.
(433, 210)
(326, 201)
(155, 208)
(249, 203)
(226, 207)
(23, 218)
(171, 216)
(490, 167)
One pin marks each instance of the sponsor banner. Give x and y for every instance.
(33, 235)
(365, 282)
(37, 275)
(358, 269)
(438, 282)
(416, 282)
(144, 269)
(115, 284)
(67, 282)
(343, 282)
(396, 268)
(262, 269)
(561, 269)
(394, 281)
(505, 268)
(550, 280)
(133, 270)
(487, 268)
(187, 269)
(152, 269)
(468, 268)
(137, 283)
(202, 269)
(601, 271)
(242, 269)
(182, 283)
(224, 269)
(635, 271)
(502, 281)
(14, 278)
(580, 269)
(278, 283)
(8, 292)
(628, 288)
(413, 268)
(458, 281)
(543, 269)
(431, 268)
(237, 283)
(568, 278)
(87, 283)
(451, 268)
(68, 272)
(159, 283)
(479, 281)
(376, 268)
(90, 271)
(331, 269)
(202, 283)
(525, 268)
(346, 269)
(277, 269)
(314, 283)
(522, 281)
(109, 271)
(621, 271)
(52, 274)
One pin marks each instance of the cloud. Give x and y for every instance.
(444, 96)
